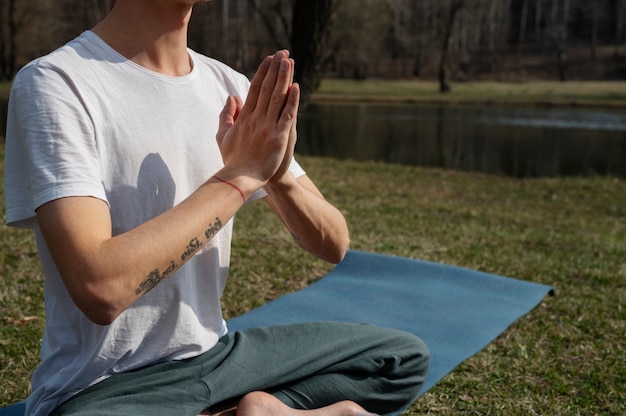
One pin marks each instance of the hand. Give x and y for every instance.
(293, 138)
(257, 139)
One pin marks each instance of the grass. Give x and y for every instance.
(21, 306)
(565, 358)
(538, 93)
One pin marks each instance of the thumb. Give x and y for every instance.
(228, 116)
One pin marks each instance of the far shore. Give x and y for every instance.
(585, 94)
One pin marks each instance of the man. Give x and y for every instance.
(111, 160)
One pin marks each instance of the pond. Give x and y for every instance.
(521, 142)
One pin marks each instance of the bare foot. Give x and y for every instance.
(228, 412)
(264, 404)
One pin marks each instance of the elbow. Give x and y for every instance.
(97, 304)
(343, 246)
(339, 251)
(329, 251)
(344, 250)
(101, 317)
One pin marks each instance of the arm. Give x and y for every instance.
(106, 274)
(316, 225)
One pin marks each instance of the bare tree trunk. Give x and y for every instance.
(243, 59)
(8, 44)
(562, 40)
(538, 17)
(523, 21)
(96, 10)
(522, 27)
(620, 10)
(595, 15)
(310, 27)
(477, 36)
(422, 30)
(276, 24)
(225, 37)
(444, 82)
(256, 24)
(3, 42)
(493, 27)
(464, 54)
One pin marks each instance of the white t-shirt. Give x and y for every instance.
(85, 121)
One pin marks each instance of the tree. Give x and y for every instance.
(27, 29)
(595, 21)
(309, 36)
(620, 11)
(382, 38)
(444, 82)
(562, 38)
(8, 35)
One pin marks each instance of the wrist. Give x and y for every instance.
(244, 185)
(281, 185)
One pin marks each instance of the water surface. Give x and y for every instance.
(513, 141)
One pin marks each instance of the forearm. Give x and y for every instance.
(106, 274)
(168, 241)
(316, 225)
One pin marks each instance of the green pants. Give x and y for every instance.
(304, 365)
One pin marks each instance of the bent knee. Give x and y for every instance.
(416, 353)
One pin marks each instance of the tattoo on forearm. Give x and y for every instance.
(155, 277)
(193, 246)
(213, 229)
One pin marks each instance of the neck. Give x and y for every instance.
(150, 33)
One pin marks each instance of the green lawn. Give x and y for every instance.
(565, 358)
(539, 93)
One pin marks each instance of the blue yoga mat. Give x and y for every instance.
(456, 311)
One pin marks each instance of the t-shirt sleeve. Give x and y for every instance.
(51, 151)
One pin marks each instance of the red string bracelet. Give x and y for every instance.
(233, 185)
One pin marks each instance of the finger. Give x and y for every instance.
(289, 150)
(293, 70)
(239, 106)
(284, 81)
(255, 85)
(293, 138)
(289, 112)
(269, 83)
(227, 118)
